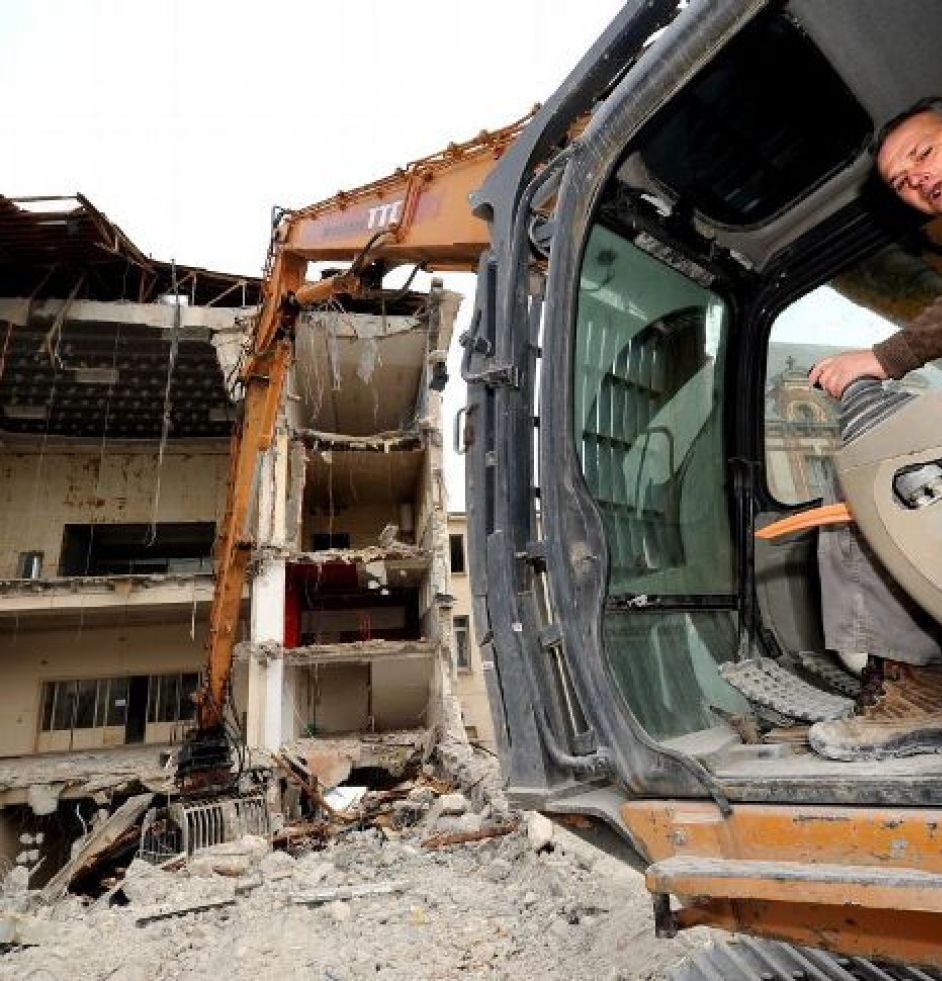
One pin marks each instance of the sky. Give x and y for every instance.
(185, 122)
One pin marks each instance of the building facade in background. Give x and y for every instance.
(470, 685)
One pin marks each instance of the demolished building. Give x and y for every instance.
(351, 626)
(116, 407)
(114, 440)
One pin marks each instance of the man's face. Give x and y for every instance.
(910, 161)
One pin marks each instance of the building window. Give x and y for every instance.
(818, 470)
(462, 643)
(321, 541)
(87, 703)
(30, 565)
(177, 548)
(456, 545)
(170, 697)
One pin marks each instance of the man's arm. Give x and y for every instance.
(909, 348)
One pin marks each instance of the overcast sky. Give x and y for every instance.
(186, 121)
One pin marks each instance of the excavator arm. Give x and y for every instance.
(419, 215)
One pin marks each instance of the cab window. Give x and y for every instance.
(649, 393)
(859, 308)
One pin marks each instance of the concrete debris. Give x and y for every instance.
(16, 880)
(387, 537)
(453, 804)
(231, 859)
(339, 912)
(349, 892)
(146, 885)
(277, 865)
(43, 799)
(352, 898)
(33, 931)
(144, 918)
(539, 831)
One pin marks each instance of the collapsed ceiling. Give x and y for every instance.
(110, 380)
(64, 246)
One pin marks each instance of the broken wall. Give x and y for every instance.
(42, 492)
(358, 374)
(401, 692)
(365, 453)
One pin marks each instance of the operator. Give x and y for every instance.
(866, 614)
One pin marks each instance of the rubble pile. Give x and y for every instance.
(418, 881)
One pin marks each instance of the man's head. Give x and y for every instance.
(909, 156)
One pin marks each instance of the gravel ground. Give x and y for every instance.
(499, 908)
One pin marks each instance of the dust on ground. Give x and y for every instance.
(536, 903)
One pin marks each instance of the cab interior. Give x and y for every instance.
(742, 237)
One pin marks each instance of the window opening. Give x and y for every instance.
(181, 548)
(456, 547)
(737, 145)
(30, 565)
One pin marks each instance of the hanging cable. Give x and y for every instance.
(151, 536)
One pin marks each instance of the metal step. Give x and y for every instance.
(766, 683)
(871, 886)
(747, 959)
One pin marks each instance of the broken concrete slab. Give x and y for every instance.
(330, 759)
(108, 835)
(43, 799)
(231, 859)
(324, 896)
(453, 804)
(39, 778)
(32, 931)
(540, 831)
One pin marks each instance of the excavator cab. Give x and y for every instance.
(656, 290)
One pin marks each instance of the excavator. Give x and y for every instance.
(660, 250)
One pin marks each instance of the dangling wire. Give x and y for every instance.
(151, 536)
(6, 347)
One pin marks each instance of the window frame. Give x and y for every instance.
(453, 538)
(461, 628)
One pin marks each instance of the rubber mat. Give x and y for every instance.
(748, 959)
(829, 669)
(764, 682)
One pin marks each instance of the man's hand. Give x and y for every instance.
(834, 374)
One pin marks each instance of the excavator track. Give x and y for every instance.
(742, 958)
